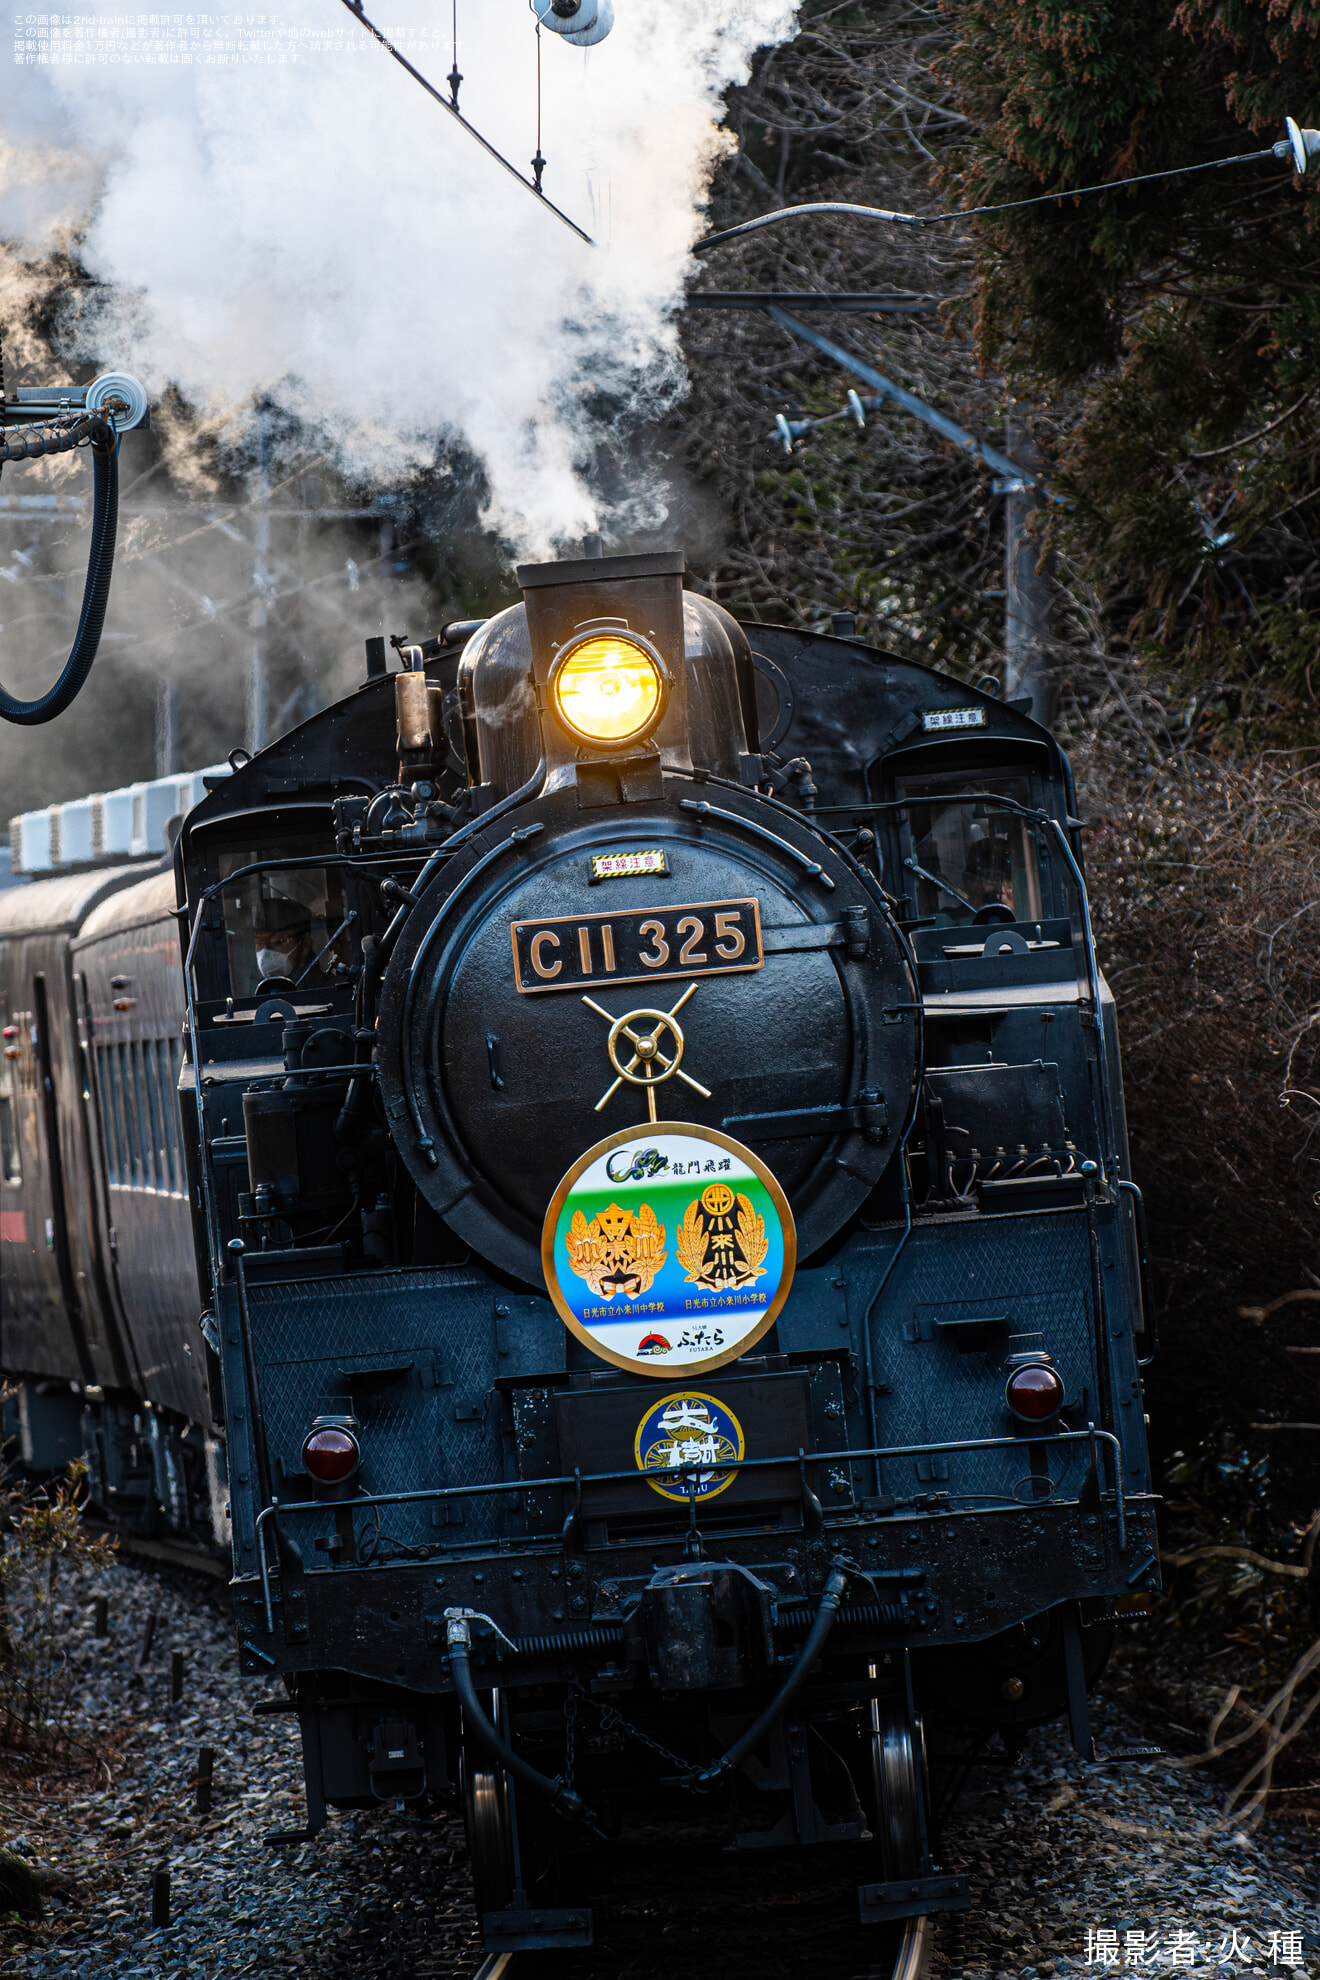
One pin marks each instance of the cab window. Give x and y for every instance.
(288, 924)
(966, 859)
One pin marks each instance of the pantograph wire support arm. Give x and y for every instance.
(451, 105)
(961, 438)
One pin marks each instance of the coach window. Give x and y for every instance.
(966, 857)
(138, 1175)
(11, 1156)
(290, 923)
(112, 1112)
(169, 1060)
(140, 1109)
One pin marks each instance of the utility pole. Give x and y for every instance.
(1029, 665)
(258, 682)
(167, 727)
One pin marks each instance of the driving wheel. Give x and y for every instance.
(898, 1768)
(486, 1818)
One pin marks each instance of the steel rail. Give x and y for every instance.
(914, 1950)
(909, 1962)
(496, 1965)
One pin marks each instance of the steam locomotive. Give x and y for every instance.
(652, 1139)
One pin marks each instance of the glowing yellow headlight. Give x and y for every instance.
(608, 689)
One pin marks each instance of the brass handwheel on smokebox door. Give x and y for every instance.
(648, 1065)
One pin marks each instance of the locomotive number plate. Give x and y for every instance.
(567, 951)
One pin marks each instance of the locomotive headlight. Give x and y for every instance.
(609, 687)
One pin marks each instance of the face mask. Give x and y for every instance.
(272, 962)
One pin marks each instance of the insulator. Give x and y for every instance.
(566, 16)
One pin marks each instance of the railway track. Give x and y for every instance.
(195, 1559)
(913, 1950)
(909, 1961)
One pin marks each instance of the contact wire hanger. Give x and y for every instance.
(454, 78)
(538, 163)
(1300, 145)
(450, 103)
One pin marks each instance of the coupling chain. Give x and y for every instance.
(565, 1779)
(614, 1721)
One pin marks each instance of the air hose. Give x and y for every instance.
(104, 442)
(459, 1638)
(836, 1586)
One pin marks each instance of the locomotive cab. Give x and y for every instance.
(669, 1232)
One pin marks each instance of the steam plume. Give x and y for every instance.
(317, 231)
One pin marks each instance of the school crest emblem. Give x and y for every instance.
(619, 1251)
(721, 1242)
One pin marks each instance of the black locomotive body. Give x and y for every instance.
(606, 868)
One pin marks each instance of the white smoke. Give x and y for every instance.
(317, 230)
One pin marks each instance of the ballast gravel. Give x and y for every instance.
(1075, 1869)
(1121, 1868)
(376, 1894)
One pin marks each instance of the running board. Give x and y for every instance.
(912, 1897)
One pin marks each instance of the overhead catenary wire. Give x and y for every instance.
(220, 617)
(450, 103)
(1284, 148)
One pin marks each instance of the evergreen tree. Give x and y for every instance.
(1169, 328)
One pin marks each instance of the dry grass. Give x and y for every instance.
(45, 1542)
(1205, 875)
(1204, 866)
